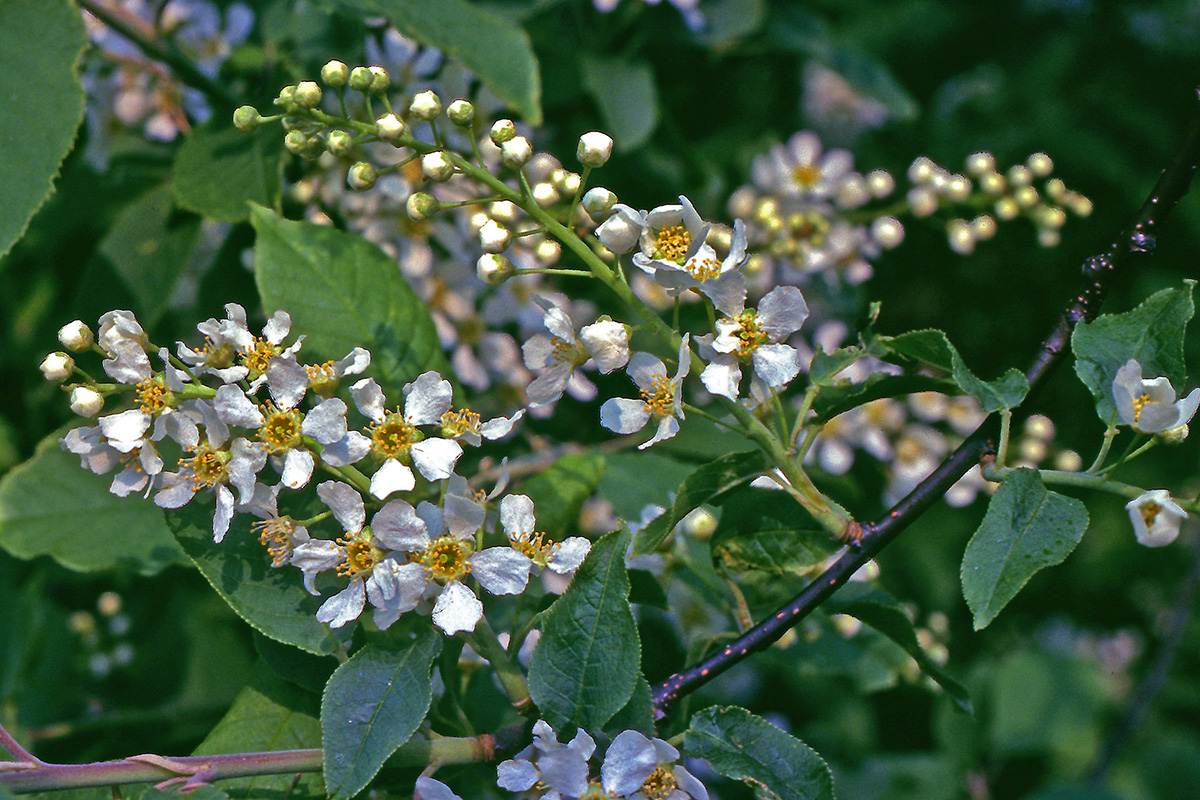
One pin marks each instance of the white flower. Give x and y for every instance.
(555, 769)
(558, 355)
(798, 169)
(645, 769)
(757, 337)
(210, 465)
(124, 342)
(661, 397)
(86, 401)
(57, 367)
(432, 789)
(1155, 517)
(622, 230)
(594, 149)
(516, 517)
(75, 336)
(1149, 406)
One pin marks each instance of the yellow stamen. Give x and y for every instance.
(749, 334)
(456, 423)
(280, 430)
(660, 784)
(660, 398)
(205, 468)
(276, 535)
(672, 243)
(392, 436)
(153, 396)
(534, 546)
(446, 559)
(806, 175)
(359, 554)
(1139, 403)
(259, 355)
(1149, 511)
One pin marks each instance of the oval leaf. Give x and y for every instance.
(219, 171)
(40, 42)
(1025, 529)
(372, 704)
(589, 657)
(273, 601)
(341, 292)
(739, 745)
(50, 506)
(932, 347)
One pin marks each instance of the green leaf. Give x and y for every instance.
(1025, 529)
(587, 662)
(273, 601)
(40, 43)
(739, 745)
(632, 481)
(932, 347)
(148, 246)
(220, 170)
(843, 395)
(496, 50)
(767, 531)
(50, 506)
(638, 713)
(884, 613)
(1151, 334)
(558, 493)
(627, 97)
(269, 714)
(342, 292)
(704, 485)
(372, 705)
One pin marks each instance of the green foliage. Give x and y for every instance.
(704, 485)
(933, 348)
(343, 292)
(625, 93)
(40, 42)
(759, 531)
(268, 714)
(586, 665)
(372, 705)
(219, 171)
(740, 745)
(489, 45)
(1026, 528)
(1151, 334)
(50, 506)
(273, 601)
(559, 491)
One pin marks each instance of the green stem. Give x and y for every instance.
(1005, 430)
(1082, 480)
(1109, 435)
(484, 642)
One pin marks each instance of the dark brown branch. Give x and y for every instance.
(1098, 272)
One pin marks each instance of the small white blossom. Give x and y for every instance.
(556, 770)
(1156, 517)
(57, 367)
(594, 149)
(75, 336)
(1149, 406)
(644, 769)
(622, 230)
(661, 397)
(757, 337)
(516, 517)
(86, 401)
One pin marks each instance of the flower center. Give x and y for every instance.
(359, 554)
(659, 398)
(660, 784)
(564, 352)
(749, 334)
(276, 535)
(206, 466)
(456, 423)
(153, 396)
(280, 430)
(806, 175)
(704, 268)
(809, 226)
(259, 355)
(1139, 403)
(1149, 511)
(672, 243)
(322, 378)
(217, 357)
(392, 436)
(534, 546)
(446, 559)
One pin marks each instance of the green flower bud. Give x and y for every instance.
(360, 79)
(246, 118)
(516, 152)
(339, 142)
(502, 131)
(461, 113)
(335, 74)
(389, 127)
(76, 336)
(426, 105)
(296, 142)
(380, 81)
(286, 97)
(362, 176)
(421, 205)
(493, 268)
(436, 167)
(308, 94)
(598, 202)
(594, 149)
(57, 367)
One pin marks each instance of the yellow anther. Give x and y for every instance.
(153, 396)
(205, 468)
(276, 535)
(392, 436)
(660, 397)
(1139, 403)
(704, 268)
(749, 334)
(1149, 510)
(446, 559)
(259, 355)
(673, 243)
(280, 430)
(359, 554)
(660, 784)
(456, 423)
(806, 175)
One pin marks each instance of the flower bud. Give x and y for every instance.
(1020, 175)
(544, 194)
(494, 237)
(594, 149)
(360, 79)
(1049, 237)
(1040, 165)
(957, 188)
(958, 233)
(57, 367)
(1155, 518)
(339, 142)
(461, 113)
(598, 202)
(335, 74)
(246, 118)
(86, 402)
(547, 252)
(493, 268)
(1006, 208)
(979, 164)
(922, 200)
(436, 166)
(853, 192)
(426, 105)
(286, 97)
(1173, 436)
(887, 232)
(569, 182)
(621, 231)
(296, 142)
(607, 342)
(504, 211)
(421, 205)
(1026, 196)
(922, 170)
(516, 152)
(75, 336)
(502, 131)
(380, 81)
(389, 127)
(880, 183)
(308, 94)
(362, 176)
(983, 227)
(992, 183)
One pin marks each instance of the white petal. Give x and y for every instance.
(727, 292)
(569, 555)
(398, 527)
(516, 514)
(776, 364)
(345, 502)
(297, 469)
(782, 312)
(343, 607)
(234, 408)
(667, 427)
(500, 427)
(326, 422)
(392, 476)
(223, 514)
(516, 775)
(629, 761)
(457, 609)
(722, 376)
(432, 789)
(351, 448)
(429, 396)
(644, 369)
(369, 399)
(287, 381)
(622, 415)
(501, 570)
(435, 458)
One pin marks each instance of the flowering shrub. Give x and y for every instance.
(510, 475)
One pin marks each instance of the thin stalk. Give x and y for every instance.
(484, 642)
(1109, 434)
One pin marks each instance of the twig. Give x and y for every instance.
(1156, 677)
(146, 40)
(15, 750)
(1098, 272)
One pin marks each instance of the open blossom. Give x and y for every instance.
(644, 769)
(675, 254)
(661, 397)
(605, 342)
(516, 517)
(1156, 517)
(231, 352)
(800, 169)
(552, 769)
(1150, 405)
(757, 337)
